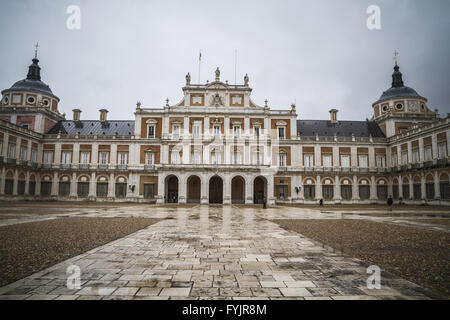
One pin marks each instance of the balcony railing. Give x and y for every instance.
(103, 166)
(428, 164)
(442, 162)
(23, 163)
(47, 165)
(149, 167)
(121, 167)
(83, 166)
(34, 165)
(11, 161)
(65, 166)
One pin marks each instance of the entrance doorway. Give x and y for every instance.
(259, 190)
(238, 190)
(171, 189)
(194, 186)
(216, 190)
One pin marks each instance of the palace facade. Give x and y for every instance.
(216, 145)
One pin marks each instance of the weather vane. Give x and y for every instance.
(395, 56)
(36, 50)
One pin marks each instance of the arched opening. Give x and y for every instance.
(21, 184)
(382, 190)
(82, 187)
(238, 190)
(216, 190)
(171, 189)
(444, 186)
(309, 189)
(102, 187)
(346, 189)
(417, 188)
(364, 189)
(194, 187)
(9, 183)
(64, 186)
(327, 189)
(259, 190)
(395, 189)
(405, 189)
(429, 187)
(32, 185)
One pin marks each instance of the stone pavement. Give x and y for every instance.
(206, 252)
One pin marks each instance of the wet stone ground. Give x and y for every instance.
(203, 252)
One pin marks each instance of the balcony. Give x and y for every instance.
(309, 169)
(381, 170)
(404, 167)
(103, 166)
(363, 170)
(442, 162)
(83, 166)
(149, 167)
(47, 165)
(23, 163)
(416, 166)
(11, 161)
(327, 169)
(121, 167)
(345, 169)
(428, 164)
(34, 165)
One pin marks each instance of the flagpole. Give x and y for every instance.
(199, 61)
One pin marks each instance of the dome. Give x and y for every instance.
(398, 89)
(32, 82)
(31, 85)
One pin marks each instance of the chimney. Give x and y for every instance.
(76, 114)
(333, 115)
(103, 115)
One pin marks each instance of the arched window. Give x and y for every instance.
(382, 189)
(417, 188)
(64, 186)
(364, 189)
(102, 187)
(83, 187)
(309, 189)
(429, 187)
(327, 189)
(346, 189)
(444, 186)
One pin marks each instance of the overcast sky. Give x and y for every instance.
(319, 54)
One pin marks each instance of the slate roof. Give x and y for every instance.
(86, 127)
(399, 92)
(341, 128)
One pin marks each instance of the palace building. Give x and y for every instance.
(217, 145)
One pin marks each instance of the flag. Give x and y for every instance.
(200, 57)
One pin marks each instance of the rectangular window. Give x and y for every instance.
(281, 133)
(104, 157)
(326, 160)
(257, 158)
(23, 153)
(66, 157)
(25, 125)
(415, 156)
(175, 157)
(85, 157)
(237, 158)
(196, 131)
(176, 131)
(363, 161)
(345, 160)
(442, 150)
(256, 131)
(34, 155)
(282, 160)
(381, 161)
(48, 157)
(12, 151)
(394, 160)
(123, 157)
(196, 157)
(237, 131)
(282, 192)
(308, 160)
(428, 153)
(149, 158)
(151, 132)
(149, 191)
(404, 157)
(216, 131)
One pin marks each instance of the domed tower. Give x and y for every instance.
(401, 108)
(30, 103)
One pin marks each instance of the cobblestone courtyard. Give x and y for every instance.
(212, 252)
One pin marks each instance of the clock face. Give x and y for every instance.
(413, 106)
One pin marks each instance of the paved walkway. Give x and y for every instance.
(212, 253)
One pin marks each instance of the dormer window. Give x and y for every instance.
(399, 106)
(46, 102)
(25, 125)
(31, 100)
(385, 108)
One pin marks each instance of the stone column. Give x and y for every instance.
(318, 188)
(437, 193)
(182, 197)
(16, 180)
(411, 189)
(161, 188)
(373, 189)
(337, 190)
(204, 190)
(73, 186)
(270, 186)
(27, 182)
(227, 190)
(400, 187)
(355, 193)
(92, 190)
(55, 184)
(422, 187)
(248, 189)
(2, 181)
(111, 187)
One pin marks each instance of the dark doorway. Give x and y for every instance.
(216, 190)
(172, 189)
(238, 190)
(194, 186)
(259, 190)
